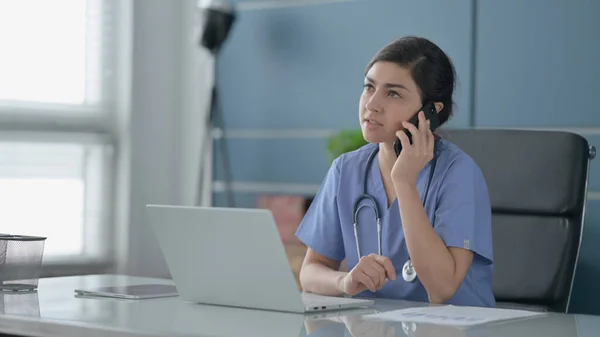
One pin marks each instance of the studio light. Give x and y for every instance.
(217, 20)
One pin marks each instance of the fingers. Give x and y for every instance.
(372, 271)
(403, 140)
(387, 265)
(423, 127)
(381, 264)
(376, 272)
(422, 137)
(430, 140)
(362, 277)
(416, 135)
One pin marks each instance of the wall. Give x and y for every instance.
(291, 74)
(279, 62)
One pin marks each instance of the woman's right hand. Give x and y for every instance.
(371, 273)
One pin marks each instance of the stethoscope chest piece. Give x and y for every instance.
(408, 272)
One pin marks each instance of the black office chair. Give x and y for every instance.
(537, 182)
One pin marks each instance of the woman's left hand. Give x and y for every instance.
(415, 156)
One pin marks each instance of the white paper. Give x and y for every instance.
(454, 315)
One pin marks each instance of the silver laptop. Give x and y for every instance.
(132, 292)
(233, 257)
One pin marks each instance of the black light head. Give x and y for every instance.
(218, 20)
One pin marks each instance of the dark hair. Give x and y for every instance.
(430, 67)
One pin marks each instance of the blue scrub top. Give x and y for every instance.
(457, 205)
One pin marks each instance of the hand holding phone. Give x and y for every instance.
(430, 114)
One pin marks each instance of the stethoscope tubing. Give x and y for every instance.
(408, 272)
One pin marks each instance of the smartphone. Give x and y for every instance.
(430, 114)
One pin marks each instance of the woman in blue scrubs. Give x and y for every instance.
(437, 250)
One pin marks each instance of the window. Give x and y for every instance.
(54, 52)
(54, 189)
(56, 116)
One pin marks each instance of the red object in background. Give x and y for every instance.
(288, 212)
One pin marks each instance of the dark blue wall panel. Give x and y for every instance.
(587, 278)
(303, 66)
(275, 160)
(585, 290)
(594, 182)
(537, 63)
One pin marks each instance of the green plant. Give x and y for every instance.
(345, 141)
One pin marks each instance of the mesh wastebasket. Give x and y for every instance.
(20, 262)
(20, 303)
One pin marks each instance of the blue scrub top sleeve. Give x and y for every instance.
(320, 228)
(463, 216)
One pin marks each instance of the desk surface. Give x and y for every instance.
(55, 311)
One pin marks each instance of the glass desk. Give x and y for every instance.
(55, 311)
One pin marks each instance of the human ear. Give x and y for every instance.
(439, 106)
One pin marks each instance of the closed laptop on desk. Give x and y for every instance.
(233, 257)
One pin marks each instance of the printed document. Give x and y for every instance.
(454, 315)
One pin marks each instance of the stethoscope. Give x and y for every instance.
(408, 271)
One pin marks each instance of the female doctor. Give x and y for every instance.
(434, 238)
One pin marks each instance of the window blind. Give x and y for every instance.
(57, 55)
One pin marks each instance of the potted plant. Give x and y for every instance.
(345, 141)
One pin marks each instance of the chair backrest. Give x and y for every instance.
(537, 182)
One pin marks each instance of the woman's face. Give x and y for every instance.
(390, 96)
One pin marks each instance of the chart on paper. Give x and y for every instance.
(454, 315)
